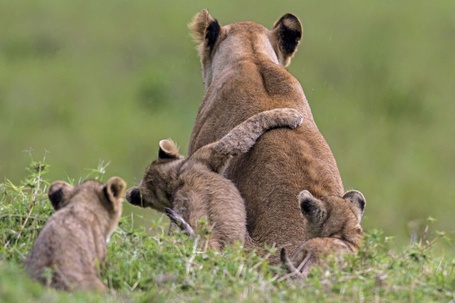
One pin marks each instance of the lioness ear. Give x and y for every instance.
(115, 188)
(358, 200)
(312, 209)
(58, 194)
(205, 29)
(288, 32)
(168, 150)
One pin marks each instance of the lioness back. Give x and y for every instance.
(243, 71)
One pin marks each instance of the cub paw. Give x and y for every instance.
(294, 117)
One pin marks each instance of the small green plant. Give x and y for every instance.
(98, 172)
(23, 211)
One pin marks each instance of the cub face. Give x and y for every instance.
(334, 217)
(156, 188)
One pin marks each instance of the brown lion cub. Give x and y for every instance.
(194, 186)
(72, 245)
(333, 226)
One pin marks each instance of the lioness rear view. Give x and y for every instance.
(243, 73)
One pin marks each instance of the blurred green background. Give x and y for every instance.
(86, 83)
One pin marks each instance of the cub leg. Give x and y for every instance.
(243, 137)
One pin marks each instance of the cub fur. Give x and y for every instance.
(195, 188)
(333, 226)
(72, 245)
(243, 73)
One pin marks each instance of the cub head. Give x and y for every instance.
(221, 45)
(160, 179)
(333, 227)
(334, 217)
(107, 196)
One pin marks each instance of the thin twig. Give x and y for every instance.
(35, 198)
(22, 216)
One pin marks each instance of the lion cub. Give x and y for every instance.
(195, 188)
(333, 226)
(72, 245)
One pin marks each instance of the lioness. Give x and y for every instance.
(194, 187)
(333, 226)
(243, 73)
(71, 247)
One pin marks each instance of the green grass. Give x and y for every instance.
(145, 266)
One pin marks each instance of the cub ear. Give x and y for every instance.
(358, 200)
(312, 208)
(288, 32)
(205, 29)
(115, 189)
(168, 150)
(58, 193)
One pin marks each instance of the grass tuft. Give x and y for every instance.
(145, 265)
